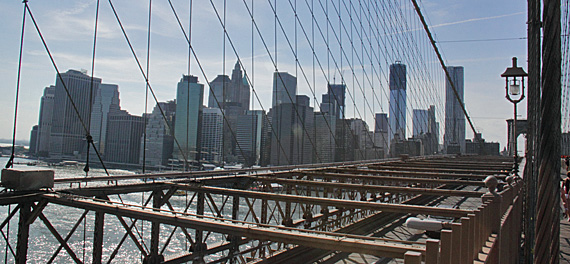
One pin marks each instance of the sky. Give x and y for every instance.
(469, 33)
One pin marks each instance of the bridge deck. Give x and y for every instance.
(281, 215)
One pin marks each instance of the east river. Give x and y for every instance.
(42, 244)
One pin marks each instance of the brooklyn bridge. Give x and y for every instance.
(309, 131)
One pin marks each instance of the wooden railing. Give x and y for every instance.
(490, 234)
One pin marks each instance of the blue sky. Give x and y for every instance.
(68, 28)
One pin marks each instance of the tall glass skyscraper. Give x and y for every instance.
(381, 132)
(159, 136)
(216, 94)
(189, 100)
(45, 122)
(249, 136)
(211, 138)
(454, 118)
(105, 100)
(397, 100)
(420, 122)
(68, 133)
(284, 88)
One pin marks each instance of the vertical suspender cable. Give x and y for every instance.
(146, 85)
(88, 136)
(254, 160)
(146, 107)
(224, 86)
(90, 106)
(10, 163)
(533, 117)
(74, 106)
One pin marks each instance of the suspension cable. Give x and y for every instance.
(448, 76)
(74, 106)
(146, 86)
(145, 77)
(10, 163)
(90, 106)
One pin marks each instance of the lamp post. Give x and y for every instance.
(514, 86)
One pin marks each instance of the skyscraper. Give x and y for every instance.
(240, 88)
(433, 131)
(284, 88)
(33, 140)
(189, 99)
(363, 145)
(250, 136)
(68, 129)
(124, 132)
(325, 143)
(232, 97)
(159, 136)
(397, 100)
(234, 91)
(291, 136)
(419, 122)
(216, 93)
(454, 118)
(211, 138)
(381, 131)
(105, 100)
(45, 122)
(334, 100)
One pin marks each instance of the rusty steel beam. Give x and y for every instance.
(23, 233)
(375, 225)
(60, 239)
(457, 165)
(186, 257)
(390, 179)
(423, 171)
(339, 203)
(328, 241)
(370, 187)
(230, 173)
(238, 172)
(77, 223)
(147, 187)
(419, 174)
(496, 160)
(19, 197)
(98, 237)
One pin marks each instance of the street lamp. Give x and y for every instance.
(514, 86)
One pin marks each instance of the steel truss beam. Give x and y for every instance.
(388, 178)
(462, 165)
(328, 241)
(369, 187)
(339, 203)
(423, 173)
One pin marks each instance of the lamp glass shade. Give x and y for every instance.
(515, 88)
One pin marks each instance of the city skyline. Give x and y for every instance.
(443, 23)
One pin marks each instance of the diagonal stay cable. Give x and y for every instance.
(145, 77)
(272, 58)
(90, 106)
(204, 75)
(64, 85)
(448, 76)
(10, 162)
(298, 64)
(240, 63)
